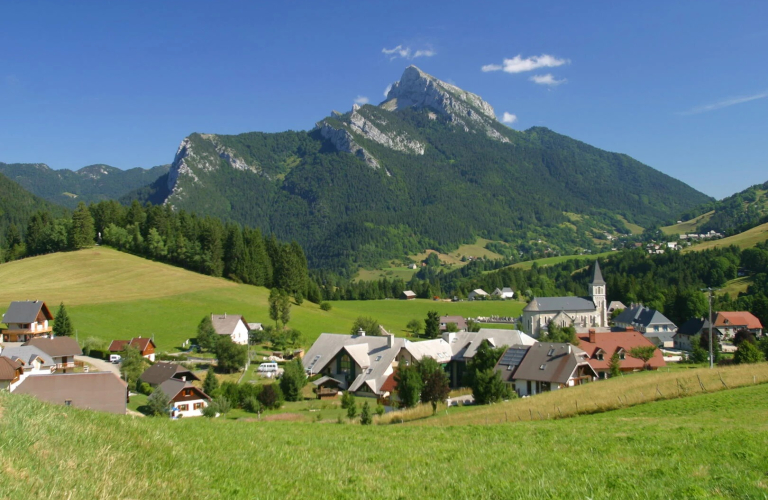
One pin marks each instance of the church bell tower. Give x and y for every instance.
(597, 292)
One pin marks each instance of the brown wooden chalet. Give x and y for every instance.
(26, 320)
(145, 345)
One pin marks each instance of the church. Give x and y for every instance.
(584, 312)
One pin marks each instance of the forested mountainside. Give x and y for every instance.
(89, 184)
(430, 167)
(16, 207)
(736, 213)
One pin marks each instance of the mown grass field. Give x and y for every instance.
(704, 446)
(113, 295)
(736, 286)
(747, 239)
(551, 261)
(689, 226)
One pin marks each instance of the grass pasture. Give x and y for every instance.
(704, 446)
(747, 239)
(112, 295)
(689, 226)
(551, 261)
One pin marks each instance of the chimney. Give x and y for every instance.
(183, 378)
(361, 332)
(592, 335)
(630, 329)
(390, 341)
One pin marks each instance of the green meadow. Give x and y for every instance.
(551, 261)
(704, 446)
(747, 239)
(113, 295)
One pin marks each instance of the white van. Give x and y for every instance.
(268, 367)
(115, 358)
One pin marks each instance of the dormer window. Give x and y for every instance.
(600, 355)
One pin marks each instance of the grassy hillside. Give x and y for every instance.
(111, 295)
(703, 446)
(689, 226)
(550, 261)
(747, 239)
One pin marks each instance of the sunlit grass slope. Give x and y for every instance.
(747, 239)
(114, 295)
(708, 446)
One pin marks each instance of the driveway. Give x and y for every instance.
(100, 364)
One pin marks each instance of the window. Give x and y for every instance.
(378, 358)
(600, 355)
(345, 364)
(67, 402)
(183, 407)
(621, 354)
(551, 352)
(543, 366)
(197, 406)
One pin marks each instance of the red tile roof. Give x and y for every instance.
(389, 385)
(610, 342)
(118, 345)
(737, 318)
(141, 343)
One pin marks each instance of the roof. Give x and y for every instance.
(172, 387)
(642, 316)
(390, 384)
(141, 343)
(551, 304)
(162, 371)
(409, 293)
(438, 349)
(693, 326)
(464, 344)
(254, 327)
(551, 362)
(27, 353)
(459, 321)
(510, 360)
(737, 318)
(57, 346)
(8, 368)
(616, 304)
(611, 342)
(101, 391)
(225, 324)
(117, 345)
(597, 277)
(26, 312)
(323, 380)
(479, 291)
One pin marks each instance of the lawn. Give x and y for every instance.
(113, 295)
(711, 445)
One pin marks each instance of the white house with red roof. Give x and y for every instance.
(601, 346)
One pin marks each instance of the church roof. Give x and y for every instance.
(597, 279)
(550, 304)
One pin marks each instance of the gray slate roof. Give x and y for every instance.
(464, 344)
(172, 387)
(24, 312)
(550, 362)
(161, 371)
(643, 316)
(27, 353)
(693, 326)
(225, 324)
(553, 304)
(597, 277)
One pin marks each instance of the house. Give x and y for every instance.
(407, 295)
(683, 339)
(464, 345)
(568, 311)
(145, 345)
(504, 293)
(459, 321)
(100, 391)
(255, 327)
(186, 400)
(601, 346)
(413, 266)
(33, 360)
(162, 371)
(650, 322)
(327, 387)
(62, 349)
(544, 367)
(730, 322)
(11, 373)
(232, 325)
(615, 305)
(477, 294)
(26, 320)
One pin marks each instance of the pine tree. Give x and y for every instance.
(81, 233)
(211, 383)
(365, 415)
(62, 325)
(614, 366)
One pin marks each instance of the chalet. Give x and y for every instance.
(327, 387)
(62, 349)
(464, 345)
(26, 320)
(544, 367)
(684, 338)
(650, 322)
(730, 322)
(504, 293)
(459, 321)
(407, 295)
(477, 294)
(34, 361)
(100, 391)
(231, 325)
(158, 373)
(601, 346)
(11, 373)
(145, 345)
(186, 400)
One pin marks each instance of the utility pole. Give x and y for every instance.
(711, 346)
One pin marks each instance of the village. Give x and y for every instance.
(557, 343)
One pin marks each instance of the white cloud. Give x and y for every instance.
(407, 52)
(509, 118)
(361, 99)
(519, 65)
(547, 79)
(724, 104)
(386, 90)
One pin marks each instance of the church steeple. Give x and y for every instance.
(597, 292)
(597, 278)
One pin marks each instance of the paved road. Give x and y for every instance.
(100, 364)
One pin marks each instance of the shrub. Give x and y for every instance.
(365, 416)
(157, 404)
(379, 410)
(325, 306)
(293, 381)
(252, 405)
(347, 400)
(271, 396)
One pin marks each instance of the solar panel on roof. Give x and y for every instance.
(512, 357)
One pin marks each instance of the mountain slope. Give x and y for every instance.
(17, 205)
(431, 167)
(89, 184)
(736, 213)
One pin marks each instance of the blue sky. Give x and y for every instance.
(681, 86)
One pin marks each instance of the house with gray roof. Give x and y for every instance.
(544, 367)
(186, 400)
(62, 349)
(162, 371)
(651, 323)
(26, 320)
(33, 360)
(504, 293)
(579, 312)
(684, 337)
(232, 325)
